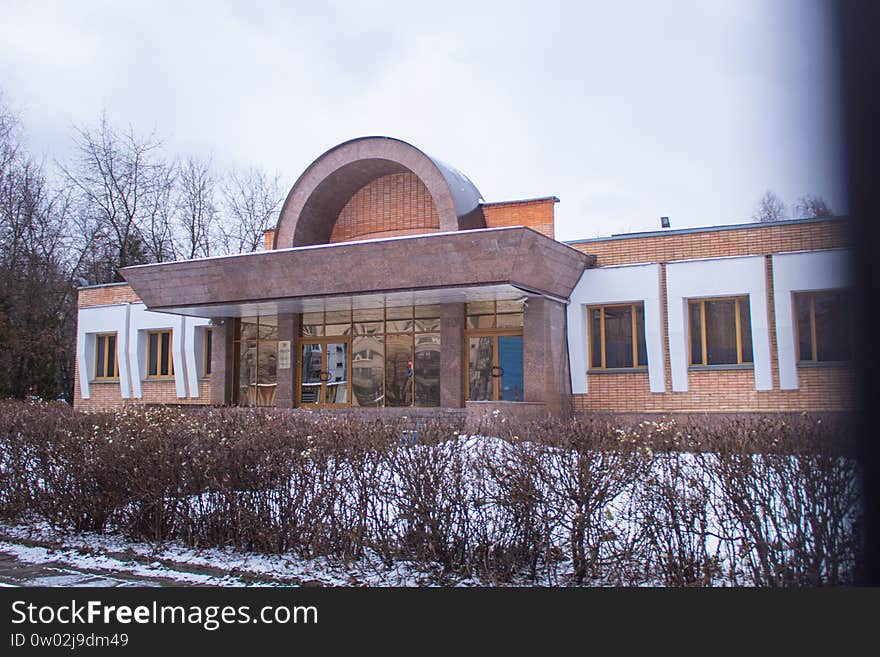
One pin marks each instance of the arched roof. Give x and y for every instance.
(320, 193)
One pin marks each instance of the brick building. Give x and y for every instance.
(388, 282)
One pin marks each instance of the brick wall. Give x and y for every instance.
(821, 388)
(536, 213)
(397, 204)
(104, 295)
(750, 240)
(376, 206)
(105, 395)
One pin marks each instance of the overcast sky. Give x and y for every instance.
(624, 110)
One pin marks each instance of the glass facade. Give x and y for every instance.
(381, 357)
(256, 349)
(391, 356)
(494, 351)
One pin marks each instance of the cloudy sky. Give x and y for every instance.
(626, 110)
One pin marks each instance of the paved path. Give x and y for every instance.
(14, 572)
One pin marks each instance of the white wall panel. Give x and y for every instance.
(801, 272)
(606, 285)
(717, 277)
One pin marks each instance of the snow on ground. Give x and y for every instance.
(113, 553)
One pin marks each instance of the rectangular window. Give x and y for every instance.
(255, 350)
(720, 331)
(209, 336)
(159, 361)
(824, 326)
(106, 366)
(494, 314)
(395, 355)
(495, 353)
(617, 336)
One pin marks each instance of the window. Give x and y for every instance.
(159, 361)
(617, 336)
(824, 326)
(255, 350)
(720, 331)
(395, 354)
(106, 366)
(495, 351)
(209, 335)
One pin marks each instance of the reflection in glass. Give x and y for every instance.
(257, 347)
(833, 326)
(367, 370)
(513, 320)
(399, 326)
(696, 333)
(247, 373)
(596, 337)
(480, 359)
(153, 351)
(310, 368)
(481, 321)
(804, 328)
(398, 370)
(395, 354)
(400, 312)
(509, 307)
(337, 329)
(368, 328)
(337, 317)
(510, 358)
(268, 328)
(100, 348)
(336, 373)
(640, 334)
(720, 332)
(745, 329)
(368, 315)
(480, 308)
(267, 367)
(249, 329)
(427, 325)
(428, 312)
(312, 324)
(426, 367)
(618, 336)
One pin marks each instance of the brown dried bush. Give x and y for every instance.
(696, 502)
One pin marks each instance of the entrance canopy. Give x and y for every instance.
(461, 266)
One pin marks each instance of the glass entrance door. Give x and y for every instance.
(510, 362)
(324, 373)
(495, 367)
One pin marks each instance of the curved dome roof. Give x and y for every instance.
(321, 192)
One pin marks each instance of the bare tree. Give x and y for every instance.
(812, 207)
(197, 209)
(770, 208)
(156, 227)
(122, 184)
(251, 200)
(37, 258)
(119, 202)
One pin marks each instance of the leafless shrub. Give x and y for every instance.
(767, 502)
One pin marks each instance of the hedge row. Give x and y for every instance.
(741, 502)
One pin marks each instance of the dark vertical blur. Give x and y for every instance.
(858, 29)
